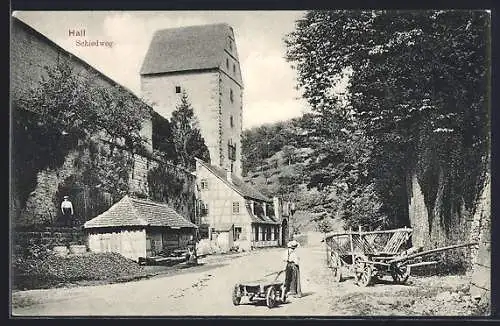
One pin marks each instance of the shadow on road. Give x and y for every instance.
(306, 294)
(186, 269)
(262, 303)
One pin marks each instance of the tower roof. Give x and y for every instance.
(187, 48)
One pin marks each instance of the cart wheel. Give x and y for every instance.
(236, 295)
(364, 271)
(271, 297)
(336, 265)
(400, 274)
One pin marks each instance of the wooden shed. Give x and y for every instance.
(138, 228)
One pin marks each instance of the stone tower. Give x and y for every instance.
(203, 62)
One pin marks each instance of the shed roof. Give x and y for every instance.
(236, 183)
(139, 212)
(187, 48)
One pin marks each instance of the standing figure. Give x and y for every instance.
(67, 211)
(292, 271)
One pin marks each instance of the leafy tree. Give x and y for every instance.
(187, 138)
(163, 145)
(417, 87)
(77, 105)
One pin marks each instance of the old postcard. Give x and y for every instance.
(250, 163)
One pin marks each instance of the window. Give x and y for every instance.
(231, 121)
(213, 235)
(232, 166)
(230, 45)
(231, 95)
(276, 233)
(231, 151)
(234, 68)
(236, 207)
(237, 233)
(203, 232)
(204, 209)
(227, 63)
(177, 89)
(204, 184)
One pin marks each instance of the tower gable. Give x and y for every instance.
(190, 48)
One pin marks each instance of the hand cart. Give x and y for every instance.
(273, 291)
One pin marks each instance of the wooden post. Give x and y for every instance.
(352, 247)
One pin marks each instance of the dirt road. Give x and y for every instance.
(207, 291)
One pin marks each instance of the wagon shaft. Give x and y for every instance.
(405, 258)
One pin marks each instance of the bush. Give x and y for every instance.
(44, 270)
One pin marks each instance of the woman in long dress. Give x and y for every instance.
(292, 270)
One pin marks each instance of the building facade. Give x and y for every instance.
(201, 61)
(235, 209)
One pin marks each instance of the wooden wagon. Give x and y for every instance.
(371, 255)
(270, 290)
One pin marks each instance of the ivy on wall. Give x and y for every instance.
(70, 112)
(166, 184)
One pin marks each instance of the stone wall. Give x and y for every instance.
(30, 53)
(48, 237)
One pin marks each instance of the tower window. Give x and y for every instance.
(231, 122)
(231, 95)
(177, 89)
(230, 45)
(227, 63)
(231, 151)
(204, 184)
(234, 68)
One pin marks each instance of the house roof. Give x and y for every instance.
(236, 183)
(260, 218)
(187, 48)
(139, 212)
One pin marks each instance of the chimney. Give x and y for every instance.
(228, 176)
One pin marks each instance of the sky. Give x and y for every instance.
(269, 95)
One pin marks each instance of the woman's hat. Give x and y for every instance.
(293, 244)
(66, 197)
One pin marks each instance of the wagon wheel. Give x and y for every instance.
(400, 273)
(363, 272)
(271, 297)
(236, 295)
(336, 266)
